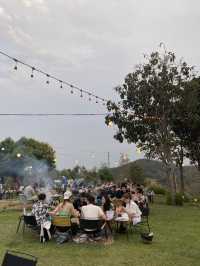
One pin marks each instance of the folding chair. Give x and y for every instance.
(29, 221)
(14, 258)
(144, 219)
(91, 227)
(125, 224)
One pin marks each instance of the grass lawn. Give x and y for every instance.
(176, 242)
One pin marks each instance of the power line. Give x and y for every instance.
(60, 81)
(52, 114)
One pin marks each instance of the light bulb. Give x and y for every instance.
(47, 81)
(32, 72)
(110, 123)
(15, 67)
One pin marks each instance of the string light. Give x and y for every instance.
(48, 76)
(138, 151)
(47, 81)
(89, 97)
(19, 155)
(81, 94)
(15, 67)
(32, 72)
(110, 123)
(72, 89)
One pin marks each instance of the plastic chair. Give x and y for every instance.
(61, 221)
(92, 226)
(14, 258)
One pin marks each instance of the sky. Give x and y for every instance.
(93, 44)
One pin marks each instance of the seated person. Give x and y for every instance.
(120, 211)
(80, 200)
(92, 211)
(132, 209)
(108, 207)
(134, 196)
(112, 192)
(119, 193)
(40, 209)
(66, 208)
(142, 201)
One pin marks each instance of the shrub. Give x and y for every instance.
(169, 200)
(178, 200)
(158, 189)
(186, 198)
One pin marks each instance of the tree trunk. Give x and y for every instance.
(175, 183)
(182, 179)
(171, 181)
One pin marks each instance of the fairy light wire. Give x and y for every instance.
(49, 76)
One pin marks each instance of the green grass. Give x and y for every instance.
(176, 242)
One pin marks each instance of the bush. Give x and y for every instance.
(178, 200)
(169, 200)
(186, 198)
(158, 189)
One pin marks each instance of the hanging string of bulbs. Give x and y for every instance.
(61, 82)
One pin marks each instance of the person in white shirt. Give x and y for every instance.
(132, 209)
(91, 211)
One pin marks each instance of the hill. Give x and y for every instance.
(155, 170)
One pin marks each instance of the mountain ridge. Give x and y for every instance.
(154, 170)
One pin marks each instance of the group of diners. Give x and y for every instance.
(122, 204)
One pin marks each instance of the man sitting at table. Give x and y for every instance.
(92, 211)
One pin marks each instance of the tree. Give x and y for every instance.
(37, 149)
(148, 100)
(105, 174)
(7, 146)
(80, 172)
(186, 121)
(136, 174)
(17, 156)
(180, 154)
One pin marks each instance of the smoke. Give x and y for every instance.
(36, 171)
(28, 169)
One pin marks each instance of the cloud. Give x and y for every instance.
(19, 36)
(40, 5)
(4, 15)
